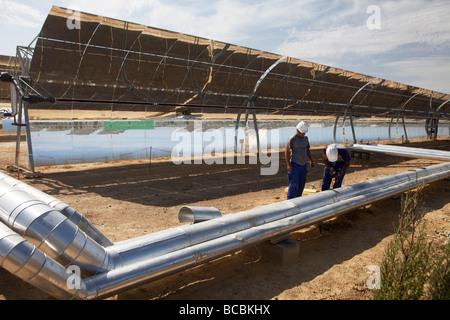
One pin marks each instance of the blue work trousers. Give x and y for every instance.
(327, 179)
(297, 180)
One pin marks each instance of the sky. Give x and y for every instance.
(406, 41)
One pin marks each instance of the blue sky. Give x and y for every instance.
(407, 41)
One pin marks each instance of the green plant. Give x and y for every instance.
(410, 269)
(405, 266)
(439, 283)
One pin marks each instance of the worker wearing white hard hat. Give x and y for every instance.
(337, 160)
(297, 154)
(302, 127)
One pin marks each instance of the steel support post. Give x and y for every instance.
(350, 116)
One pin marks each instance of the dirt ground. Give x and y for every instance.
(128, 199)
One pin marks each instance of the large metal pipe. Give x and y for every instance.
(153, 268)
(73, 215)
(28, 263)
(402, 151)
(160, 243)
(50, 231)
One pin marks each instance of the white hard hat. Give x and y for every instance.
(302, 127)
(332, 153)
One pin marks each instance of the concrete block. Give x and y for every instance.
(281, 253)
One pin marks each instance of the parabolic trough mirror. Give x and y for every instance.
(72, 142)
(118, 66)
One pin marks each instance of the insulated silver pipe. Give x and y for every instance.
(197, 214)
(28, 263)
(405, 151)
(153, 268)
(50, 231)
(72, 214)
(402, 151)
(160, 243)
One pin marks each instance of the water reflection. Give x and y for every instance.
(70, 142)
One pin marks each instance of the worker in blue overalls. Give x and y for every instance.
(297, 154)
(337, 160)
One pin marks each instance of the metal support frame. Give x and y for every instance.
(23, 56)
(348, 110)
(22, 120)
(250, 105)
(432, 126)
(439, 108)
(22, 90)
(432, 122)
(404, 127)
(400, 114)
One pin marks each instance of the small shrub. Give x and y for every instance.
(405, 266)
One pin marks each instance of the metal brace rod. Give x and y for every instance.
(361, 89)
(403, 118)
(404, 127)
(350, 116)
(349, 108)
(437, 110)
(22, 113)
(250, 105)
